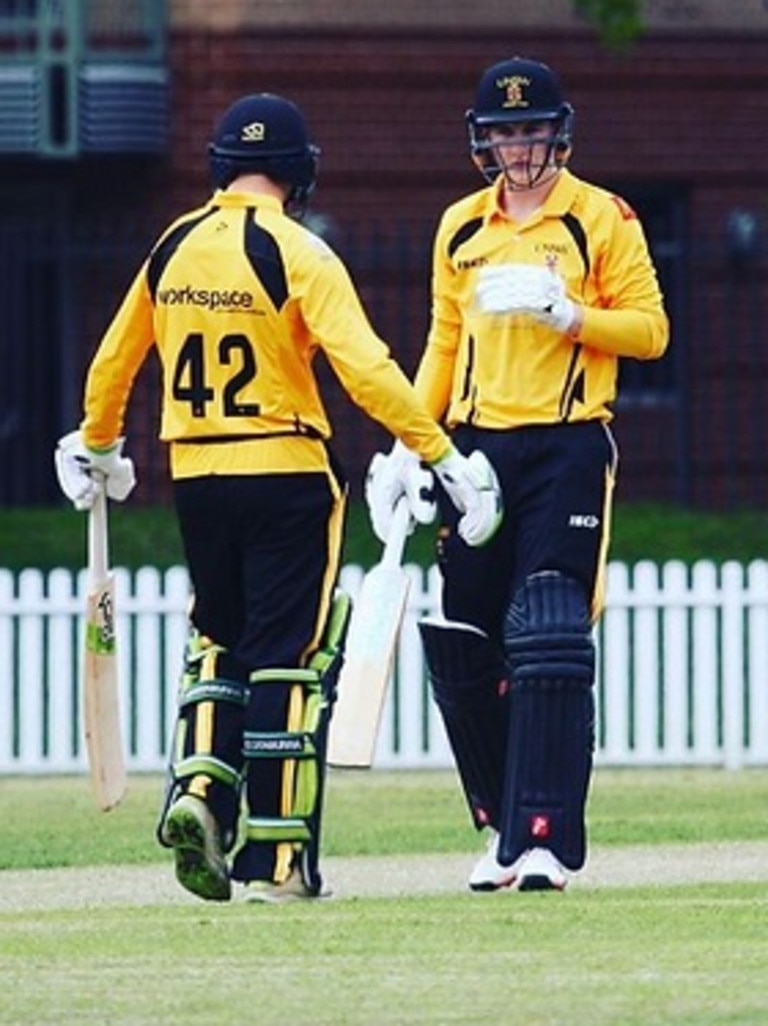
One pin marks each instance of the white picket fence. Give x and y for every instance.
(682, 668)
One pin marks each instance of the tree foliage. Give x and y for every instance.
(619, 22)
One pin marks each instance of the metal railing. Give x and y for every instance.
(47, 30)
(78, 76)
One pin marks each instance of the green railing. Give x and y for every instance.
(65, 64)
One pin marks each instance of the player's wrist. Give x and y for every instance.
(448, 454)
(577, 319)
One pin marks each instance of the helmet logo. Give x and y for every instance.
(513, 87)
(254, 132)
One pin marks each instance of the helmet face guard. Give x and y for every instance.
(520, 92)
(540, 165)
(265, 134)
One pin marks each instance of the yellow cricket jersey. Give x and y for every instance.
(501, 371)
(238, 298)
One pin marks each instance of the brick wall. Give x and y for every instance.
(387, 110)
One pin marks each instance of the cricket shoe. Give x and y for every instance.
(267, 892)
(191, 830)
(539, 870)
(489, 874)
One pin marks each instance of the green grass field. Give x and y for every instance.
(605, 956)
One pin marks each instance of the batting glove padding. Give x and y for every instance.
(473, 488)
(391, 476)
(80, 471)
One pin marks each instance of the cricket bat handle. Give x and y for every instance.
(98, 539)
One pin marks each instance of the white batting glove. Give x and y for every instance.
(525, 289)
(80, 471)
(391, 476)
(473, 488)
(512, 288)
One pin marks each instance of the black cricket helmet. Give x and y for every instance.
(520, 90)
(265, 134)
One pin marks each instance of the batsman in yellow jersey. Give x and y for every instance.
(238, 297)
(541, 282)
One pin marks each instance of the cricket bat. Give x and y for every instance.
(370, 651)
(103, 737)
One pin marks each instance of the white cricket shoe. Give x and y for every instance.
(539, 870)
(489, 874)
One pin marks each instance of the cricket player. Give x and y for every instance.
(541, 282)
(238, 297)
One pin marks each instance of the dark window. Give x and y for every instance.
(663, 211)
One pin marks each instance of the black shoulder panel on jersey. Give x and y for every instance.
(464, 234)
(576, 228)
(165, 249)
(266, 260)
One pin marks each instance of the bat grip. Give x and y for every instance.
(398, 534)
(98, 543)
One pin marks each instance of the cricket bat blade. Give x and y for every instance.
(370, 653)
(101, 700)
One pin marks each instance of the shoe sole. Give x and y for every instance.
(195, 869)
(262, 892)
(487, 886)
(266, 898)
(539, 882)
(274, 896)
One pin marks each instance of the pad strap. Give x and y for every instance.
(209, 766)
(217, 690)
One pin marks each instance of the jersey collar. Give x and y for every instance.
(222, 198)
(557, 203)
